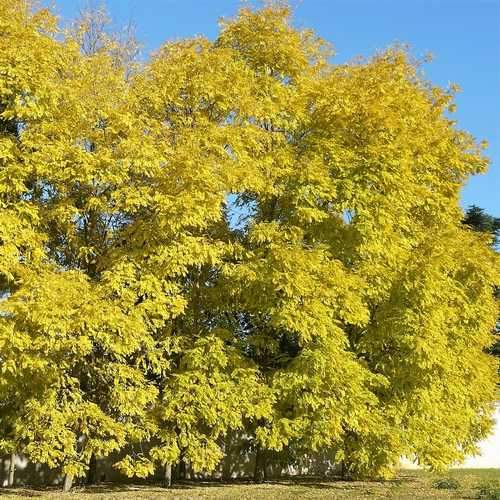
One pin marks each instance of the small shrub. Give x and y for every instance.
(446, 483)
(489, 490)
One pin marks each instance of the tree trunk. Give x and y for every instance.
(345, 471)
(12, 469)
(92, 472)
(68, 482)
(167, 482)
(259, 473)
(182, 470)
(226, 463)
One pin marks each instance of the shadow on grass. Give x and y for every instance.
(21, 492)
(316, 483)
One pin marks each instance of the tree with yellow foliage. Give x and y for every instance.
(138, 315)
(356, 173)
(71, 351)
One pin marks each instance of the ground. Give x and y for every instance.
(408, 485)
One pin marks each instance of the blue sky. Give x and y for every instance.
(462, 35)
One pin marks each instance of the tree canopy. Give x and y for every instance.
(136, 314)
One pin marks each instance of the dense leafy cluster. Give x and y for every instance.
(234, 237)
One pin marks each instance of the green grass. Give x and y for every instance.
(408, 485)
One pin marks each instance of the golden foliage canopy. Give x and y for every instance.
(347, 310)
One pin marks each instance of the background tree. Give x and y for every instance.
(478, 220)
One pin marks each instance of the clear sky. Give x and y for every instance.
(462, 35)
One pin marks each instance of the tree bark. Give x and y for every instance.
(92, 472)
(259, 473)
(182, 470)
(226, 463)
(345, 471)
(68, 482)
(167, 482)
(12, 469)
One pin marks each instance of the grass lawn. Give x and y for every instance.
(408, 484)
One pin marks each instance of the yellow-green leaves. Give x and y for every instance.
(347, 313)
